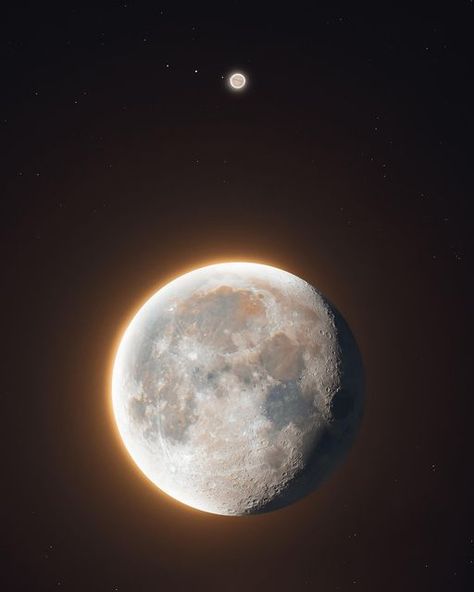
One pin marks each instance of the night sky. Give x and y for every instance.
(125, 161)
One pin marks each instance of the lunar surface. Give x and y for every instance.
(237, 388)
(237, 81)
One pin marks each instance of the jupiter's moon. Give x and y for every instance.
(237, 388)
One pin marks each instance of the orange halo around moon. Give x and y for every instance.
(186, 469)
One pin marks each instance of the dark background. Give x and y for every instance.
(347, 161)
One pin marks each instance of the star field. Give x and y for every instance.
(126, 161)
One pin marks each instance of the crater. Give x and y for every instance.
(275, 458)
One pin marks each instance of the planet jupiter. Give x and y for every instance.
(237, 388)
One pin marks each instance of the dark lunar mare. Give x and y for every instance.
(346, 408)
(285, 403)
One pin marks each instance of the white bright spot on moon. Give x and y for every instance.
(237, 81)
(236, 388)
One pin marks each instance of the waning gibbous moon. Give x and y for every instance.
(237, 388)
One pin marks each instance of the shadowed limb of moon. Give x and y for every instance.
(237, 388)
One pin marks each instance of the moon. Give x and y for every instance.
(237, 81)
(237, 388)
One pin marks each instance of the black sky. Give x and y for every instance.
(126, 161)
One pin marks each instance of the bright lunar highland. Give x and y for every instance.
(237, 388)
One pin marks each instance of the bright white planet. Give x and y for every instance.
(237, 388)
(237, 81)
